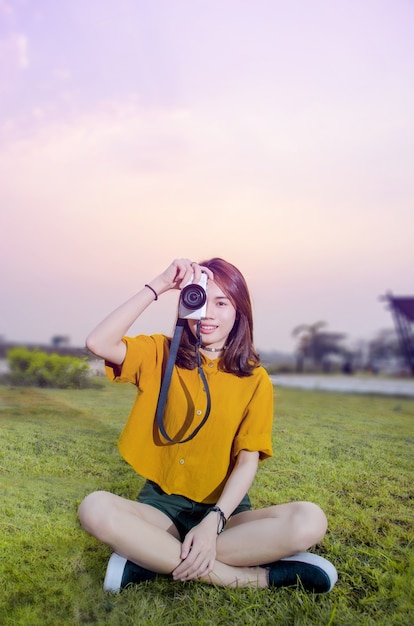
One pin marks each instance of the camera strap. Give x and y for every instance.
(162, 399)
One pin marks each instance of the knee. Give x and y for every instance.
(311, 524)
(93, 511)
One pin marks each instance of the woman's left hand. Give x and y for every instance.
(198, 551)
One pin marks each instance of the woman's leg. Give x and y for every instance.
(258, 537)
(264, 535)
(147, 537)
(139, 532)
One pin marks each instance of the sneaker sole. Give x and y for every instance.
(114, 573)
(317, 561)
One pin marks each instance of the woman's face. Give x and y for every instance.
(219, 319)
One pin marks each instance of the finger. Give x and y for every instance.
(183, 568)
(187, 273)
(183, 273)
(182, 572)
(189, 566)
(207, 271)
(200, 269)
(196, 271)
(202, 571)
(193, 571)
(186, 546)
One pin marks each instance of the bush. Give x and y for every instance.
(34, 368)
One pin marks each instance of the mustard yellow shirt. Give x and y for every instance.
(240, 419)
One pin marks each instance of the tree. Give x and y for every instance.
(384, 348)
(60, 340)
(316, 344)
(39, 369)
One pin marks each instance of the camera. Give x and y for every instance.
(193, 299)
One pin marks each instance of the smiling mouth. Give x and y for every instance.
(207, 329)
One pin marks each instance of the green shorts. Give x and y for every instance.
(183, 512)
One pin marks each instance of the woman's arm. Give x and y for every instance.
(198, 551)
(239, 481)
(106, 339)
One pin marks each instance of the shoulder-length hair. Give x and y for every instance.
(240, 357)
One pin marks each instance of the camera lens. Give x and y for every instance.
(193, 297)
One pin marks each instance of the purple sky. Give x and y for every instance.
(278, 135)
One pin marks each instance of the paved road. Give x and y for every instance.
(347, 384)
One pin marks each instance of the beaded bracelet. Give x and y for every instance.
(153, 291)
(222, 520)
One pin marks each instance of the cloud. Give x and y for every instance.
(6, 9)
(124, 167)
(100, 201)
(22, 46)
(14, 57)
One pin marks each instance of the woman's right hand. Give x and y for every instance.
(106, 339)
(198, 551)
(178, 274)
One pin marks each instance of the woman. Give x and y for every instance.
(193, 519)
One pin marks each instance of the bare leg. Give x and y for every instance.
(145, 536)
(136, 531)
(258, 537)
(265, 535)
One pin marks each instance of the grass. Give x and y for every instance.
(350, 454)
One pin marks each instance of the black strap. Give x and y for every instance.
(162, 399)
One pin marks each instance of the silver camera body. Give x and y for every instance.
(193, 299)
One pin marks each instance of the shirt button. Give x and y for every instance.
(211, 364)
(198, 412)
(181, 461)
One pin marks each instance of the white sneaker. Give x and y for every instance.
(120, 572)
(312, 572)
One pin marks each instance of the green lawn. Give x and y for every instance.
(352, 455)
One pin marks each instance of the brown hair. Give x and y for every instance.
(240, 357)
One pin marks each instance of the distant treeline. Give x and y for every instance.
(37, 368)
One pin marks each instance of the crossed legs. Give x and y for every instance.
(147, 537)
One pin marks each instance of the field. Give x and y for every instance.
(352, 455)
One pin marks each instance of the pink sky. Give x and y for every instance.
(278, 135)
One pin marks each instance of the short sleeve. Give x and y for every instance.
(140, 350)
(255, 432)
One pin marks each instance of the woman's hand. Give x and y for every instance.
(179, 273)
(198, 552)
(106, 339)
